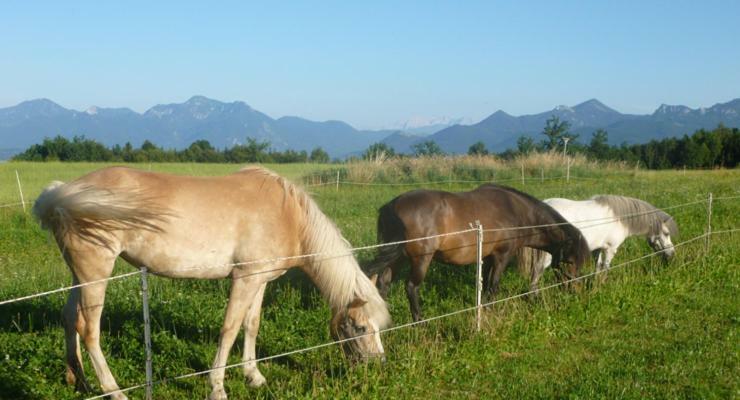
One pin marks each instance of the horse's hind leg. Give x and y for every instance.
(251, 326)
(419, 268)
(73, 323)
(243, 291)
(92, 298)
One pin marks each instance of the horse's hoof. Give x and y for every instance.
(255, 379)
(218, 394)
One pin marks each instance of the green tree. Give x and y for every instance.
(555, 130)
(599, 146)
(377, 151)
(427, 148)
(525, 144)
(318, 155)
(478, 149)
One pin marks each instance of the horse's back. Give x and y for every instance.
(594, 220)
(206, 220)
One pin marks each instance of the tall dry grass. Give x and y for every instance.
(383, 169)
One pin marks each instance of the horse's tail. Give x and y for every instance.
(89, 212)
(390, 229)
(528, 259)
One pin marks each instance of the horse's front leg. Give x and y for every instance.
(606, 262)
(488, 263)
(251, 326)
(542, 260)
(419, 268)
(243, 293)
(499, 265)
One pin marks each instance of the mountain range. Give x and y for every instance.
(500, 131)
(225, 124)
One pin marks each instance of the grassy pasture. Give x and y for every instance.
(652, 330)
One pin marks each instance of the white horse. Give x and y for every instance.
(606, 221)
(206, 228)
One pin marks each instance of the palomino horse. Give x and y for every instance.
(206, 228)
(606, 221)
(422, 213)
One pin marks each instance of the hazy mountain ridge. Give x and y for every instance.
(177, 125)
(500, 130)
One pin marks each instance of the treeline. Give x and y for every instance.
(703, 149)
(719, 147)
(82, 149)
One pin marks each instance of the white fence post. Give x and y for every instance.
(20, 190)
(709, 223)
(147, 332)
(337, 180)
(522, 173)
(567, 171)
(479, 276)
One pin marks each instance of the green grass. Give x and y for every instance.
(652, 330)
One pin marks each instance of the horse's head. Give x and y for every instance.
(573, 253)
(355, 322)
(660, 238)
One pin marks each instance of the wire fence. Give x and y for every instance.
(414, 323)
(451, 181)
(351, 251)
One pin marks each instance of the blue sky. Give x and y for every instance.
(372, 63)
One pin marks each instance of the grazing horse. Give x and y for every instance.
(205, 228)
(422, 213)
(606, 221)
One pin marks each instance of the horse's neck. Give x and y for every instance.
(334, 271)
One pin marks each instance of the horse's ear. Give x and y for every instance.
(374, 279)
(357, 302)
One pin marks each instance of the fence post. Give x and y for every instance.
(337, 180)
(709, 223)
(567, 171)
(479, 277)
(20, 190)
(147, 332)
(542, 174)
(522, 173)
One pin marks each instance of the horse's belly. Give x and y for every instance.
(181, 258)
(456, 257)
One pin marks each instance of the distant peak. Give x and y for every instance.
(198, 99)
(42, 101)
(594, 105)
(42, 105)
(563, 108)
(672, 109)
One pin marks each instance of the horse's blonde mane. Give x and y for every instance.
(336, 272)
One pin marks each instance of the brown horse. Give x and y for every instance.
(422, 213)
(206, 228)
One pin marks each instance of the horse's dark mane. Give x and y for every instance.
(568, 229)
(551, 212)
